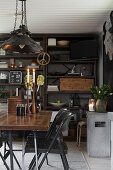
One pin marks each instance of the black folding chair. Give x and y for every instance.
(2, 157)
(4, 139)
(52, 143)
(41, 134)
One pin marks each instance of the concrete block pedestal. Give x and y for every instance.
(110, 117)
(98, 134)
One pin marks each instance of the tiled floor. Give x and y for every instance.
(75, 159)
(93, 163)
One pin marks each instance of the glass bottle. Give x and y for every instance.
(71, 101)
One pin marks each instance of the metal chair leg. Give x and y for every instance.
(77, 133)
(23, 149)
(11, 151)
(4, 162)
(42, 161)
(4, 148)
(31, 163)
(6, 154)
(47, 161)
(63, 156)
(36, 154)
(15, 157)
(79, 136)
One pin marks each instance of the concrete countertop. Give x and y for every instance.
(110, 116)
(88, 112)
(98, 114)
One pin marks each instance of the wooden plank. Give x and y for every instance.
(39, 121)
(73, 84)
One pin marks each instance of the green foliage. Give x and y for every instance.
(101, 93)
(3, 92)
(30, 81)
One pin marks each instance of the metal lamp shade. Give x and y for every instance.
(20, 40)
(21, 43)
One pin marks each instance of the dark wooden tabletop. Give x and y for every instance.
(39, 121)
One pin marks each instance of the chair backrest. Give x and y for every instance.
(56, 136)
(60, 114)
(59, 121)
(55, 122)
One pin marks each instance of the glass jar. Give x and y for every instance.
(91, 105)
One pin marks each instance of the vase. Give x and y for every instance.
(101, 106)
(29, 92)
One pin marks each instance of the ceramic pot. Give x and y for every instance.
(101, 106)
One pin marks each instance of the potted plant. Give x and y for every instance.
(101, 94)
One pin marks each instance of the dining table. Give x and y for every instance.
(30, 122)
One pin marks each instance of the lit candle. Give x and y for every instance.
(33, 75)
(28, 75)
(91, 107)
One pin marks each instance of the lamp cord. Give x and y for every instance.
(25, 18)
(22, 14)
(16, 15)
(23, 11)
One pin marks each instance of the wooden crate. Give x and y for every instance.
(12, 103)
(75, 84)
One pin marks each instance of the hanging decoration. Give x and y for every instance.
(43, 58)
(108, 41)
(20, 40)
(40, 81)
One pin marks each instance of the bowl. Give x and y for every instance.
(57, 104)
(63, 42)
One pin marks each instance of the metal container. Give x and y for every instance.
(20, 110)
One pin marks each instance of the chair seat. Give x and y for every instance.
(81, 123)
(39, 134)
(43, 146)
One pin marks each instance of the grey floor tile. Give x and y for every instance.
(77, 157)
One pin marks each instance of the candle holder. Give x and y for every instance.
(28, 98)
(33, 100)
(91, 105)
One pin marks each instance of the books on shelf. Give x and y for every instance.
(52, 88)
(3, 65)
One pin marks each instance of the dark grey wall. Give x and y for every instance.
(100, 62)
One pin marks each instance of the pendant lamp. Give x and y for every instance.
(20, 40)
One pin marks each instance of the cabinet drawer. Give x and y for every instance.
(75, 84)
